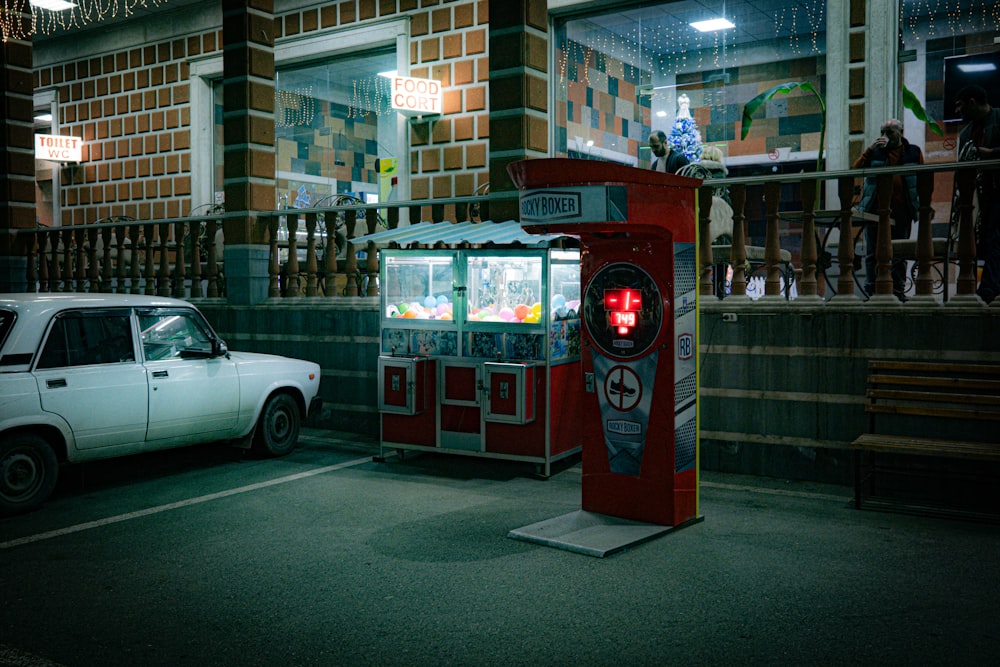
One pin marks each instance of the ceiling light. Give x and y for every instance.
(977, 67)
(711, 25)
(52, 5)
(43, 118)
(391, 74)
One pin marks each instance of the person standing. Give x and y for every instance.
(890, 149)
(980, 140)
(664, 158)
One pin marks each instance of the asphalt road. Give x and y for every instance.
(208, 557)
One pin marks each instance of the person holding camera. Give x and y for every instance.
(890, 149)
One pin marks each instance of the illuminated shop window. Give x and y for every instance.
(623, 74)
(942, 48)
(335, 133)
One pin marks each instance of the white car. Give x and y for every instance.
(85, 377)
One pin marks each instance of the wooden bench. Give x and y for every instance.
(930, 409)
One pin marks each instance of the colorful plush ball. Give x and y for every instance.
(506, 313)
(446, 316)
(430, 302)
(391, 311)
(573, 305)
(558, 300)
(442, 299)
(536, 308)
(410, 314)
(521, 311)
(531, 318)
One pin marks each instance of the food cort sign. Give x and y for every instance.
(416, 97)
(57, 148)
(591, 203)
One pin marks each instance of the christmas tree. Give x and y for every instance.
(684, 135)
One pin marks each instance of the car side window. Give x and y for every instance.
(7, 318)
(169, 334)
(83, 338)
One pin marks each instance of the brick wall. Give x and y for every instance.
(132, 108)
(448, 43)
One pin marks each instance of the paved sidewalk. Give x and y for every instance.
(351, 562)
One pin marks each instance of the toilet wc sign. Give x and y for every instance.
(58, 148)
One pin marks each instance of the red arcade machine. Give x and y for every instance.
(480, 346)
(638, 282)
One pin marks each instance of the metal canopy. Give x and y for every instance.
(454, 233)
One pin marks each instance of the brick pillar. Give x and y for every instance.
(17, 174)
(519, 120)
(248, 28)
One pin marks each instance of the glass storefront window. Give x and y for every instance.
(333, 121)
(944, 47)
(622, 74)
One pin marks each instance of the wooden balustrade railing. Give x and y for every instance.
(806, 207)
(182, 257)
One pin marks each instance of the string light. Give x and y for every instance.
(930, 19)
(371, 95)
(78, 14)
(294, 107)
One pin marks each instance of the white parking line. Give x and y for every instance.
(776, 492)
(172, 506)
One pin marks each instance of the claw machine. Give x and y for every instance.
(480, 347)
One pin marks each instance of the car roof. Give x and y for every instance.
(34, 311)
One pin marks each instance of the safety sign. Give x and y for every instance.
(622, 388)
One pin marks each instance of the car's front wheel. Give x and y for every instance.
(278, 427)
(28, 472)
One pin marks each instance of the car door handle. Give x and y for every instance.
(159, 374)
(55, 384)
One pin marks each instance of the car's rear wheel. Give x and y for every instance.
(28, 472)
(278, 427)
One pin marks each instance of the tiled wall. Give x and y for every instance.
(335, 144)
(788, 121)
(602, 104)
(132, 110)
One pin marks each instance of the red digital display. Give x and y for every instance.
(623, 319)
(628, 300)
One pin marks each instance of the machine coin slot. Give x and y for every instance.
(395, 383)
(504, 390)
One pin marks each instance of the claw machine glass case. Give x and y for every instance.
(499, 332)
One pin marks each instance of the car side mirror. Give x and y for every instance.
(219, 348)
